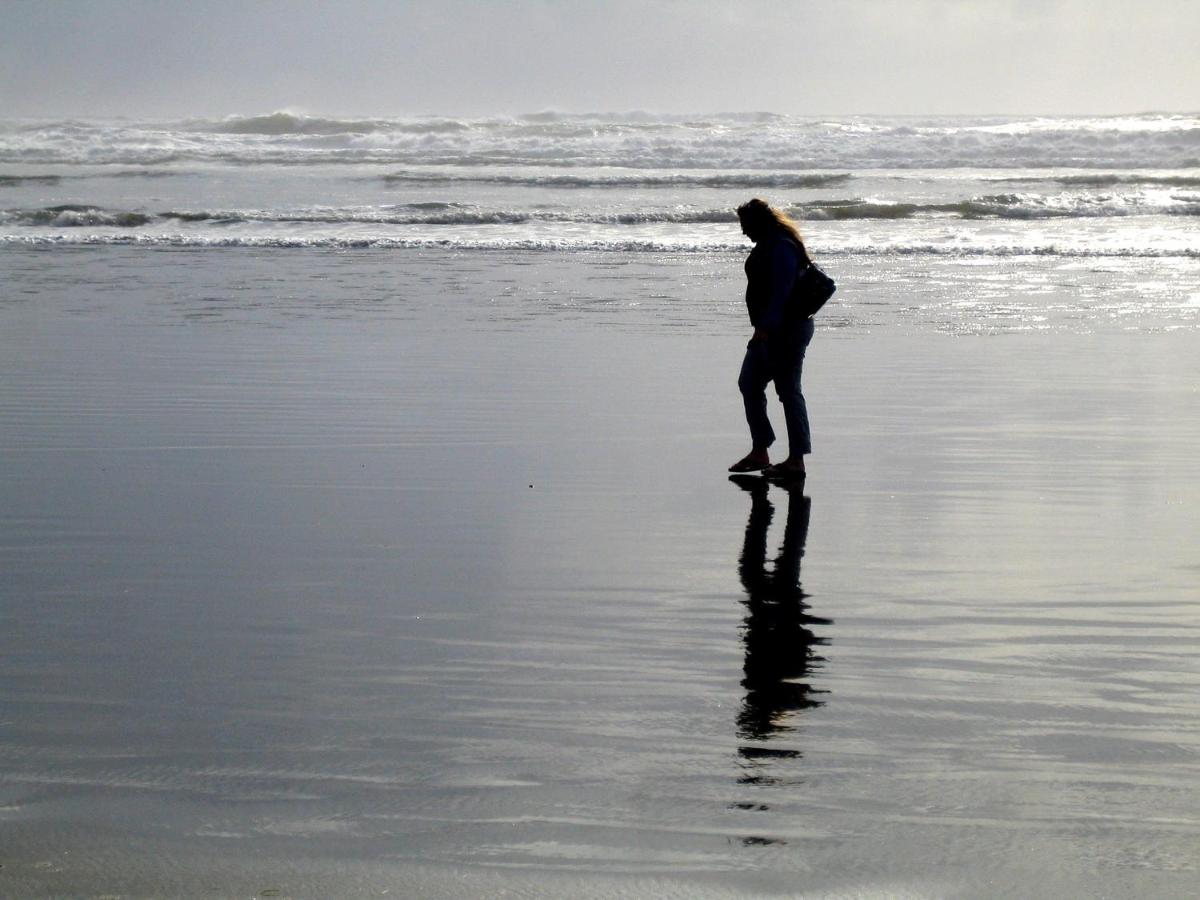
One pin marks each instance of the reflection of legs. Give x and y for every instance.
(778, 643)
(752, 564)
(752, 382)
(795, 533)
(780, 647)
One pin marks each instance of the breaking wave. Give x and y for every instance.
(71, 215)
(635, 141)
(748, 181)
(285, 123)
(999, 206)
(1107, 180)
(14, 181)
(440, 214)
(19, 180)
(585, 245)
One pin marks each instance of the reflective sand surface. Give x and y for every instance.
(337, 575)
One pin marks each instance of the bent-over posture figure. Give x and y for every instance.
(776, 350)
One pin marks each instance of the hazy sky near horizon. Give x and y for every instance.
(458, 57)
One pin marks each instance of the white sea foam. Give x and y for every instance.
(720, 142)
(1012, 206)
(584, 244)
(621, 180)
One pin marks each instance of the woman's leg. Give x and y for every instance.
(788, 365)
(752, 382)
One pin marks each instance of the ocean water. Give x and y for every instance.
(364, 528)
(1084, 187)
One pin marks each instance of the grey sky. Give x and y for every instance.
(362, 57)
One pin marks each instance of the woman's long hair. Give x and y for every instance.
(760, 217)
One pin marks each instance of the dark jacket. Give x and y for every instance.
(771, 270)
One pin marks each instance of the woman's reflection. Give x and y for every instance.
(779, 643)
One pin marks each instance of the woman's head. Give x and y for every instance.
(759, 219)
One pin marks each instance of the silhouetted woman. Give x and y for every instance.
(776, 351)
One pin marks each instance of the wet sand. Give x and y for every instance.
(323, 586)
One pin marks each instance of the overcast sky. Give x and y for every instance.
(453, 57)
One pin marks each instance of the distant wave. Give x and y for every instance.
(582, 245)
(284, 123)
(997, 206)
(629, 180)
(1108, 180)
(430, 214)
(18, 180)
(138, 173)
(73, 216)
(427, 214)
(448, 214)
(769, 143)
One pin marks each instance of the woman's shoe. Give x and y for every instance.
(784, 471)
(750, 463)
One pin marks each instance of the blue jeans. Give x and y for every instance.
(779, 358)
